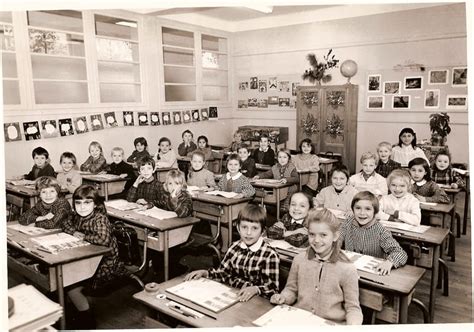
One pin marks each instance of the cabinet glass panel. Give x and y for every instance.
(46, 67)
(11, 92)
(56, 43)
(108, 49)
(212, 43)
(177, 37)
(66, 20)
(214, 93)
(178, 56)
(120, 93)
(7, 37)
(180, 93)
(60, 92)
(214, 77)
(9, 65)
(118, 72)
(179, 75)
(116, 27)
(6, 17)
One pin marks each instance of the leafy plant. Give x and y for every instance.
(317, 72)
(439, 124)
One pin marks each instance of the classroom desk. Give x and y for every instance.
(240, 314)
(325, 164)
(26, 192)
(161, 172)
(107, 184)
(159, 235)
(276, 187)
(66, 268)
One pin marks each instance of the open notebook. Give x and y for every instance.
(364, 262)
(228, 194)
(32, 230)
(287, 316)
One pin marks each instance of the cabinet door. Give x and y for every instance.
(308, 115)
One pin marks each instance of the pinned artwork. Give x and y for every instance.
(196, 116)
(273, 100)
(128, 118)
(204, 114)
(262, 85)
(243, 86)
(374, 83)
(242, 103)
(110, 120)
(253, 83)
(142, 118)
(284, 86)
(155, 118)
(283, 102)
(272, 83)
(293, 88)
(49, 128)
(459, 77)
(166, 118)
(186, 116)
(262, 103)
(252, 102)
(32, 130)
(65, 127)
(12, 131)
(80, 125)
(213, 113)
(96, 122)
(177, 118)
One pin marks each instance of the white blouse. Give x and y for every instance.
(404, 154)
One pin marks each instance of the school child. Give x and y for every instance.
(70, 178)
(187, 145)
(248, 164)
(442, 172)
(385, 164)
(400, 205)
(367, 178)
(52, 210)
(166, 157)
(121, 168)
(292, 227)
(306, 160)
(141, 150)
(198, 175)
(236, 143)
(364, 234)
(264, 154)
(425, 189)
(174, 196)
(322, 279)
(250, 264)
(41, 166)
(406, 149)
(285, 171)
(96, 162)
(338, 195)
(91, 224)
(234, 181)
(203, 146)
(146, 189)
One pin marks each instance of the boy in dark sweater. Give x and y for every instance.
(264, 155)
(121, 168)
(41, 167)
(248, 164)
(146, 189)
(385, 165)
(141, 150)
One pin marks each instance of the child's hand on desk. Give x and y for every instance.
(196, 275)
(283, 180)
(123, 175)
(141, 201)
(277, 299)
(384, 267)
(240, 195)
(79, 235)
(256, 177)
(454, 185)
(46, 217)
(419, 197)
(247, 293)
(102, 172)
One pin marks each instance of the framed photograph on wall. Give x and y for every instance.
(438, 76)
(375, 102)
(456, 102)
(413, 83)
(459, 78)
(391, 88)
(374, 83)
(401, 102)
(432, 98)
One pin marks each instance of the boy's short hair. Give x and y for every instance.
(384, 145)
(40, 151)
(400, 173)
(145, 161)
(307, 141)
(368, 155)
(443, 153)
(366, 196)
(198, 153)
(421, 161)
(187, 131)
(140, 140)
(68, 155)
(164, 139)
(234, 156)
(177, 176)
(44, 182)
(253, 213)
(265, 136)
(341, 168)
(97, 145)
(244, 146)
(117, 149)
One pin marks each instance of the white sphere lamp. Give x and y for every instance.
(348, 69)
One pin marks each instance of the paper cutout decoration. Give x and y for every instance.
(128, 119)
(196, 116)
(65, 127)
(272, 83)
(262, 85)
(177, 118)
(252, 102)
(284, 102)
(155, 118)
(293, 88)
(142, 118)
(31, 130)
(254, 83)
(96, 122)
(243, 86)
(187, 116)
(204, 114)
(110, 120)
(12, 131)
(49, 128)
(285, 86)
(166, 118)
(80, 124)
(242, 103)
(212, 113)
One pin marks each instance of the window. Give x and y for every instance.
(56, 43)
(11, 91)
(214, 68)
(118, 59)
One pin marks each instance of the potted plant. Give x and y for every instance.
(439, 126)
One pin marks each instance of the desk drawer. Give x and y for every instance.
(206, 208)
(29, 272)
(113, 187)
(156, 241)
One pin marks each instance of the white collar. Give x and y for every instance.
(254, 247)
(265, 149)
(235, 177)
(407, 147)
(420, 183)
(299, 222)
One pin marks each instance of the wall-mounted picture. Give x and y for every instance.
(438, 76)
(374, 83)
(284, 102)
(401, 102)
(272, 100)
(166, 116)
(65, 127)
(456, 102)
(110, 120)
(254, 83)
(204, 114)
(243, 86)
(252, 102)
(432, 99)
(142, 118)
(285, 86)
(80, 124)
(459, 77)
(32, 130)
(12, 131)
(262, 86)
(293, 88)
(213, 113)
(177, 118)
(128, 119)
(391, 88)
(242, 103)
(187, 116)
(413, 83)
(375, 102)
(272, 83)
(262, 103)
(196, 116)
(96, 122)
(293, 102)
(155, 118)
(49, 129)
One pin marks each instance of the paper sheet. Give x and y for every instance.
(57, 242)
(227, 194)
(405, 227)
(286, 316)
(364, 263)
(31, 230)
(121, 204)
(157, 213)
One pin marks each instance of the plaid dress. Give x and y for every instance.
(446, 176)
(60, 208)
(149, 191)
(431, 192)
(182, 204)
(94, 165)
(385, 169)
(277, 230)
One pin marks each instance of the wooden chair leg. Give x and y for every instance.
(458, 225)
(423, 308)
(452, 247)
(445, 275)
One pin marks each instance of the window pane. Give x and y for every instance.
(177, 56)
(120, 93)
(11, 93)
(108, 49)
(7, 37)
(212, 43)
(214, 93)
(6, 17)
(180, 93)
(58, 68)
(9, 65)
(214, 60)
(177, 37)
(115, 27)
(68, 20)
(214, 77)
(56, 43)
(119, 72)
(60, 92)
(180, 75)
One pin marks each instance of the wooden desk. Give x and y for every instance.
(161, 173)
(325, 164)
(66, 268)
(277, 189)
(106, 184)
(26, 192)
(240, 314)
(159, 235)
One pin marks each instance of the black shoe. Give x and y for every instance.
(85, 320)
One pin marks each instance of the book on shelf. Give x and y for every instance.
(54, 243)
(403, 226)
(32, 230)
(363, 262)
(121, 204)
(227, 194)
(288, 316)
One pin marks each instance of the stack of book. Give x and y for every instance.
(57, 242)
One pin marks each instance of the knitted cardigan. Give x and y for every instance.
(60, 208)
(431, 192)
(94, 165)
